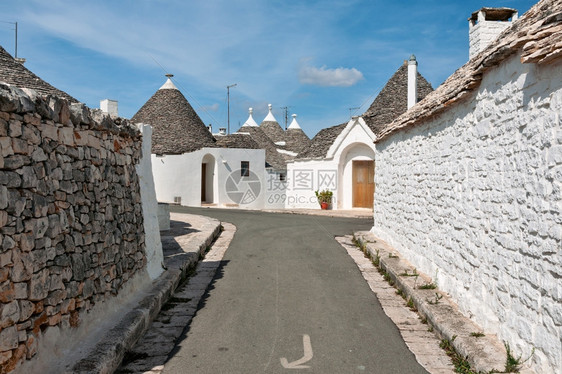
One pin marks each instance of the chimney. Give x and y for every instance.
(222, 130)
(412, 81)
(110, 107)
(210, 127)
(485, 25)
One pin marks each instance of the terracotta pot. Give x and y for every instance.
(324, 205)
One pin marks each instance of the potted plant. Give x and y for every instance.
(324, 198)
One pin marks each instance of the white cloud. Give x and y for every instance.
(340, 77)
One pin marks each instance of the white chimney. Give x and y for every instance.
(110, 107)
(485, 25)
(412, 81)
(222, 130)
(210, 127)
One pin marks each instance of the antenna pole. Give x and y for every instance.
(354, 108)
(286, 111)
(16, 53)
(228, 104)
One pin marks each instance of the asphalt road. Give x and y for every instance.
(288, 290)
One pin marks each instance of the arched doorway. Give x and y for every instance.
(357, 176)
(208, 179)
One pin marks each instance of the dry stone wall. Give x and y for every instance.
(71, 223)
(474, 197)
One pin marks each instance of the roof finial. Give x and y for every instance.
(269, 106)
(294, 124)
(250, 122)
(169, 85)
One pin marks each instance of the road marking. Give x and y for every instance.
(298, 364)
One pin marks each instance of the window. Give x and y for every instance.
(245, 168)
(282, 177)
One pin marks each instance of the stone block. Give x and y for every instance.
(55, 319)
(27, 241)
(16, 161)
(66, 136)
(31, 346)
(26, 309)
(39, 285)
(15, 129)
(23, 266)
(9, 338)
(7, 292)
(3, 218)
(6, 146)
(3, 197)
(21, 290)
(20, 146)
(5, 357)
(56, 282)
(9, 314)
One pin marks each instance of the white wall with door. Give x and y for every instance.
(335, 171)
(212, 176)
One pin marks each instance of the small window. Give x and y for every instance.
(245, 168)
(282, 177)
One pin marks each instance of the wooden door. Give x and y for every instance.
(363, 183)
(203, 182)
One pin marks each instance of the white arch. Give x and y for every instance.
(352, 152)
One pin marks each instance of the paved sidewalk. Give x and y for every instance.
(151, 352)
(423, 343)
(484, 352)
(189, 236)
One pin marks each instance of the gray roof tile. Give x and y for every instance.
(176, 126)
(14, 73)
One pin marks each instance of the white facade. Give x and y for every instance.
(179, 178)
(474, 197)
(154, 254)
(334, 172)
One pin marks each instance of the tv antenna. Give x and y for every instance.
(228, 104)
(16, 41)
(286, 114)
(353, 109)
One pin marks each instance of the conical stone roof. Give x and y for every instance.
(297, 140)
(321, 143)
(271, 128)
(176, 126)
(15, 74)
(392, 101)
(272, 158)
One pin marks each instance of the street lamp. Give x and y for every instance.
(228, 104)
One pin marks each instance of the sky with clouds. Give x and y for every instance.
(319, 58)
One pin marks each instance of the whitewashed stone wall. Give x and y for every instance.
(474, 197)
(154, 254)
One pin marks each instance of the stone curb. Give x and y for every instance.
(325, 213)
(108, 353)
(484, 353)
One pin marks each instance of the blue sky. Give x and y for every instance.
(319, 58)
